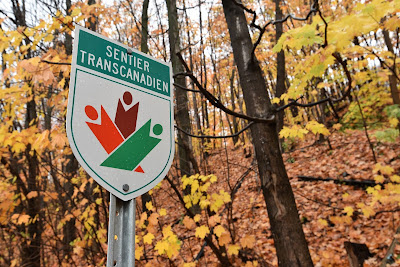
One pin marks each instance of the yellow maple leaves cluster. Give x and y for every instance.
(208, 223)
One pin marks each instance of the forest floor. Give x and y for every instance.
(322, 205)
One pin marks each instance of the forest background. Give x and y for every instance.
(287, 124)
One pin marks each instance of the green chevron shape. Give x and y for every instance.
(133, 150)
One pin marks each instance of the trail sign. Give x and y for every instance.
(120, 114)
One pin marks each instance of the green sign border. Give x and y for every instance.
(134, 88)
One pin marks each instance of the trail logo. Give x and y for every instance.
(120, 115)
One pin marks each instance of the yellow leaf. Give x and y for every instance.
(75, 12)
(167, 231)
(163, 212)
(219, 230)
(371, 190)
(49, 37)
(379, 178)
(395, 178)
(248, 241)
(18, 147)
(294, 131)
(317, 128)
(202, 231)
(189, 264)
(368, 211)
(349, 210)
(383, 169)
(275, 100)
(393, 122)
(322, 222)
(251, 264)
(98, 201)
(233, 250)
(197, 217)
(61, 83)
(149, 206)
(138, 252)
(148, 238)
(161, 247)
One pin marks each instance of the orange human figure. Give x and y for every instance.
(106, 132)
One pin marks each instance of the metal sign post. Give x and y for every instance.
(121, 233)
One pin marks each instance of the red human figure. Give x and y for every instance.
(106, 132)
(126, 119)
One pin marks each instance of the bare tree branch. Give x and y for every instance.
(186, 89)
(314, 9)
(342, 62)
(216, 102)
(216, 136)
(56, 63)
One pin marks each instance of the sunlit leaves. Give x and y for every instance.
(219, 230)
(233, 249)
(148, 238)
(169, 245)
(202, 231)
(293, 132)
(317, 128)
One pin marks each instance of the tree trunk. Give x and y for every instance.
(71, 170)
(234, 121)
(280, 65)
(392, 78)
(30, 252)
(290, 242)
(182, 112)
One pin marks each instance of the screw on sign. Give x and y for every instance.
(120, 127)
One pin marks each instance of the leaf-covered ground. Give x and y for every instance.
(331, 213)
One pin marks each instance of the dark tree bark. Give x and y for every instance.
(92, 19)
(290, 242)
(182, 111)
(280, 87)
(30, 252)
(392, 78)
(71, 170)
(234, 121)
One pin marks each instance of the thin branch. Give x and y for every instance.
(314, 9)
(390, 251)
(342, 62)
(383, 63)
(326, 28)
(186, 89)
(214, 136)
(216, 102)
(56, 63)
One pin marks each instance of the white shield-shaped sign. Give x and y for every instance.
(120, 115)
